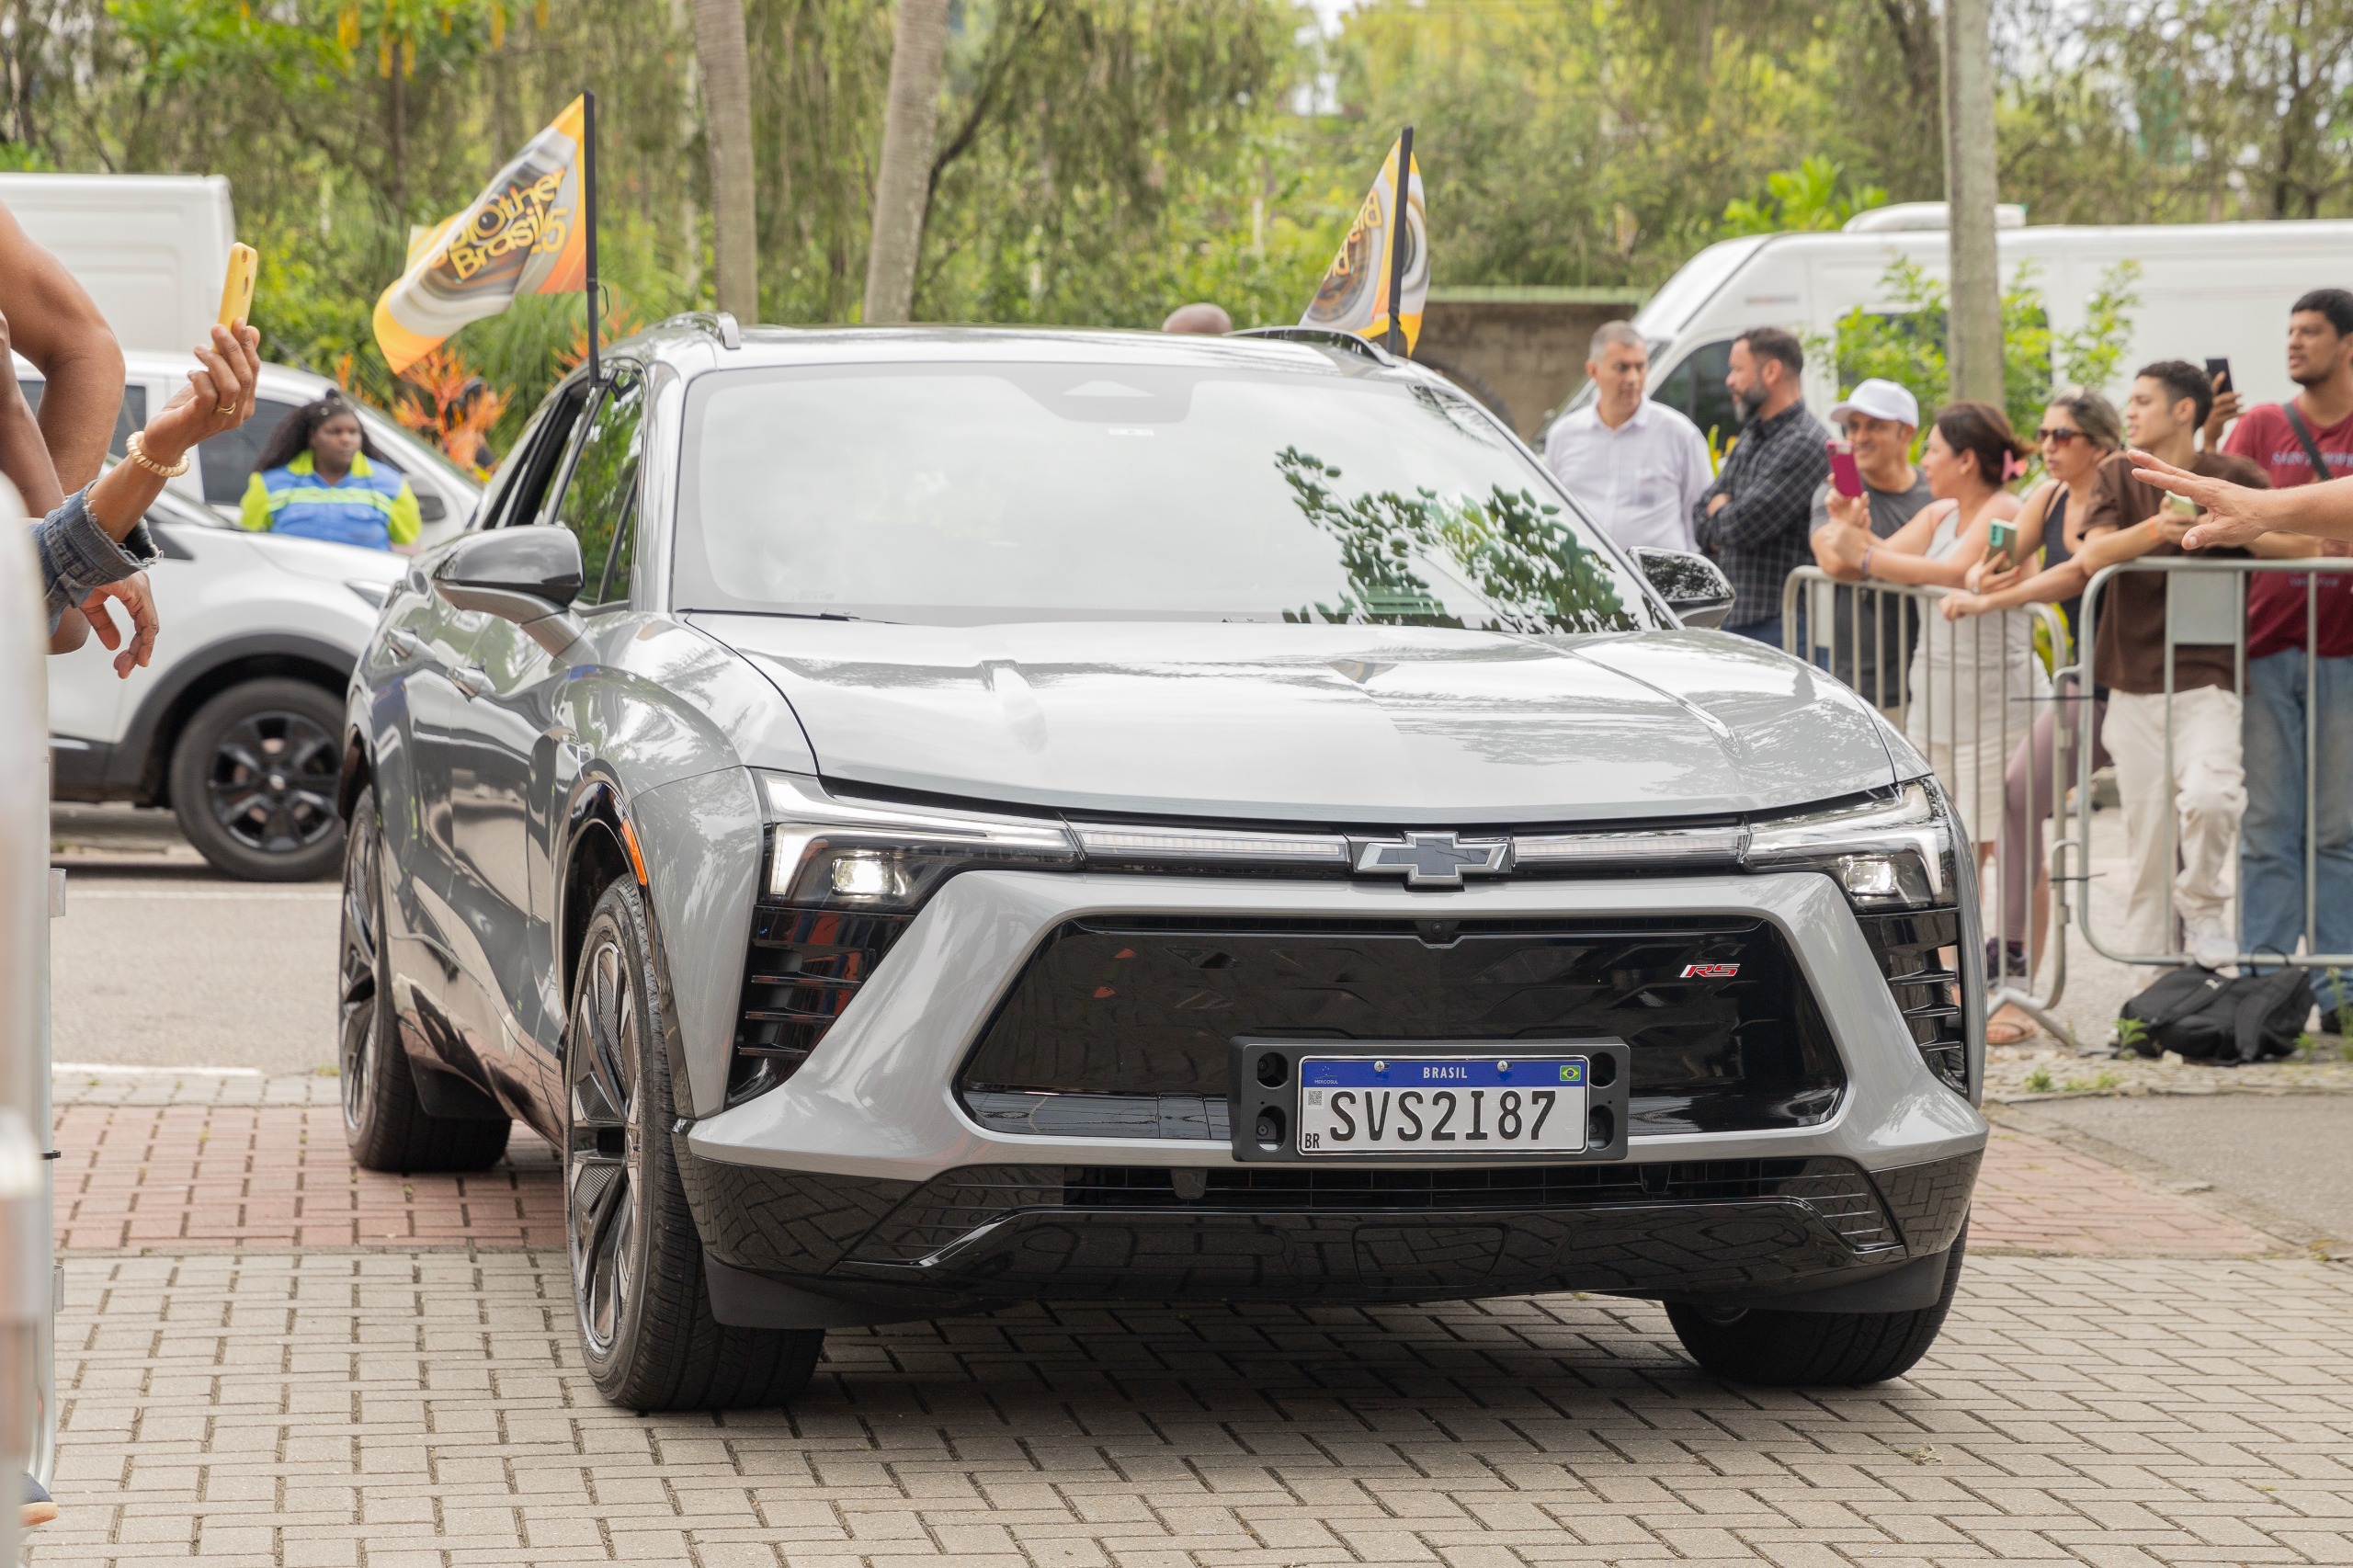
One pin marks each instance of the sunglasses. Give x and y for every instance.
(2057, 434)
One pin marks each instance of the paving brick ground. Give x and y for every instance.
(250, 1374)
(427, 1410)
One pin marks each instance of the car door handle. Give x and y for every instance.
(473, 681)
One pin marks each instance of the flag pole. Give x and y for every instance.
(588, 204)
(1400, 229)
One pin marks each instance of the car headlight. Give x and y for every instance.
(830, 854)
(1892, 851)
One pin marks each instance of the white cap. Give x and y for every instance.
(1879, 399)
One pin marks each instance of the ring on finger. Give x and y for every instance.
(224, 408)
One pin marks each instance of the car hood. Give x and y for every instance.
(1318, 724)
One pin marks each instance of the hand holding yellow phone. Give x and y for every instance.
(237, 289)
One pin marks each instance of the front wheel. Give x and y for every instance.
(1815, 1349)
(645, 1324)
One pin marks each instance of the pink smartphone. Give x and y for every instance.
(1844, 477)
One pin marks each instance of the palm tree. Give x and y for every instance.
(725, 61)
(902, 185)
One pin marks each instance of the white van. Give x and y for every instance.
(2206, 290)
(151, 249)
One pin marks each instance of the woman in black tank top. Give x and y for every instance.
(2079, 429)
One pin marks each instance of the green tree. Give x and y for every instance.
(1808, 197)
(1907, 345)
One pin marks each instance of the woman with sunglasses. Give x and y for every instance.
(2079, 429)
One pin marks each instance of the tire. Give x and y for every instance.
(252, 780)
(384, 1122)
(1817, 1349)
(646, 1325)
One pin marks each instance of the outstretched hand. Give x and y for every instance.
(219, 395)
(2232, 513)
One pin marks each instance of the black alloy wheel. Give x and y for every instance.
(604, 1176)
(384, 1122)
(637, 1277)
(253, 779)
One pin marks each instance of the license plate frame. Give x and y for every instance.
(1252, 1097)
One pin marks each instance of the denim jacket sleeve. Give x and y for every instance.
(78, 557)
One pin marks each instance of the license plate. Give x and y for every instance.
(1443, 1105)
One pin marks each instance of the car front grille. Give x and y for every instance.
(802, 968)
(1915, 953)
(1119, 1024)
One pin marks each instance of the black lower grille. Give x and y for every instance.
(1119, 1021)
(953, 1206)
(804, 967)
(1916, 953)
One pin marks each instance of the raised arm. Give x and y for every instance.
(55, 324)
(2239, 514)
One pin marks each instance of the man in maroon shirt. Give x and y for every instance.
(2284, 439)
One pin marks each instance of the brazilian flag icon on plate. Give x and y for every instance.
(1572, 1072)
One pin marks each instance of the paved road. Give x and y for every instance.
(160, 962)
(332, 1408)
(2293, 1155)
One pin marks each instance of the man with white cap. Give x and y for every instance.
(1879, 420)
(1636, 465)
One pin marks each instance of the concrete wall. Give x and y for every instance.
(1519, 349)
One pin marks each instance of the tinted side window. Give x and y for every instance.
(599, 500)
(1696, 388)
(227, 460)
(521, 483)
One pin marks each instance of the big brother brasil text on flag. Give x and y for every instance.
(1354, 295)
(522, 235)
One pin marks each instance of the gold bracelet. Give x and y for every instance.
(136, 448)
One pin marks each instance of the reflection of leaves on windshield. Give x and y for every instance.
(1526, 561)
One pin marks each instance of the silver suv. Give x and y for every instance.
(930, 819)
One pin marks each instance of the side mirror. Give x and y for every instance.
(528, 575)
(1694, 588)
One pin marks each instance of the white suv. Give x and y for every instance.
(235, 723)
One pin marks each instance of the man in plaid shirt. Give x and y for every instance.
(1755, 518)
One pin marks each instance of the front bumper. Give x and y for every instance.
(863, 1178)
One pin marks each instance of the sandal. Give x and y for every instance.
(2000, 1030)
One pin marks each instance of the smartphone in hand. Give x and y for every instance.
(237, 287)
(2218, 375)
(2002, 543)
(1844, 477)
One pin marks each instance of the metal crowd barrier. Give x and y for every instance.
(27, 1406)
(1968, 694)
(2206, 605)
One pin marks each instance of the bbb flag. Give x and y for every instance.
(522, 235)
(1354, 295)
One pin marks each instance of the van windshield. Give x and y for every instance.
(970, 493)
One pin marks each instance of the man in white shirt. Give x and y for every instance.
(1639, 467)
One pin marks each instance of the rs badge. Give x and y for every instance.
(1710, 970)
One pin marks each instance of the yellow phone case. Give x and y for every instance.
(237, 289)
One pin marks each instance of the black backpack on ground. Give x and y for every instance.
(2208, 1016)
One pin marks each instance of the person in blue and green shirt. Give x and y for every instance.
(318, 478)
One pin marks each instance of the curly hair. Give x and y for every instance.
(293, 437)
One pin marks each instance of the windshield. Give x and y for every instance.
(966, 494)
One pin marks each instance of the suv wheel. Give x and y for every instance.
(1815, 1349)
(646, 1320)
(383, 1121)
(254, 781)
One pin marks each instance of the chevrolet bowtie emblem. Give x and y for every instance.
(1434, 859)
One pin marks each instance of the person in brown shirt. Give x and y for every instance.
(2206, 792)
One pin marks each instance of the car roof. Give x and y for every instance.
(702, 341)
